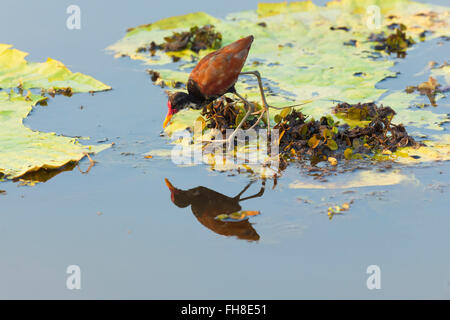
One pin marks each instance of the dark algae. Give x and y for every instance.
(196, 39)
(303, 137)
(397, 42)
(225, 114)
(363, 111)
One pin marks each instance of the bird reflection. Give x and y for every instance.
(207, 204)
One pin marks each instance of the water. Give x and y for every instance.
(118, 222)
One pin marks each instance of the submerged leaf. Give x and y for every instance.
(362, 179)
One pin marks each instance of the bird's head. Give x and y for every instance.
(177, 101)
(178, 197)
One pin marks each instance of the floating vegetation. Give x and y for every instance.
(195, 39)
(67, 92)
(227, 113)
(325, 139)
(338, 209)
(363, 111)
(158, 80)
(428, 88)
(237, 216)
(396, 42)
(22, 150)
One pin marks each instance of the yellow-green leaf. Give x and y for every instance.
(285, 112)
(313, 142)
(332, 144)
(23, 150)
(16, 71)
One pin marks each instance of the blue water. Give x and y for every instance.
(118, 222)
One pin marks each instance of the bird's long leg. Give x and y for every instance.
(230, 140)
(257, 120)
(238, 196)
(249, 110)
(263, 97)
(257, 195)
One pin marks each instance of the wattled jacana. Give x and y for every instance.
(214, 76)
(207, 204)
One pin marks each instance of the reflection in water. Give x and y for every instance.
(43, 175)
(207, 204)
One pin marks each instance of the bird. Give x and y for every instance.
(207, 204)
(215, 75)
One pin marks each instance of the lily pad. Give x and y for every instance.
(15, 71)
(23, 150)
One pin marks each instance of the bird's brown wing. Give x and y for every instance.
(218, 71)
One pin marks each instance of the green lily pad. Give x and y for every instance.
(23, 150)
(15, 71)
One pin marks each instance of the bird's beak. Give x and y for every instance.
(168, 117)
(169, 185)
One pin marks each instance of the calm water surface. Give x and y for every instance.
(118, 222)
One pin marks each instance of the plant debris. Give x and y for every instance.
(397, 42)
(67, 92)
(363, 111)
(325, 139)
(339, 28)
(428, 88)
(154, 75)
(195, 39)
(338, 209)
(236, 216)
(156, 78)
(225, 114)
(351, 42)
